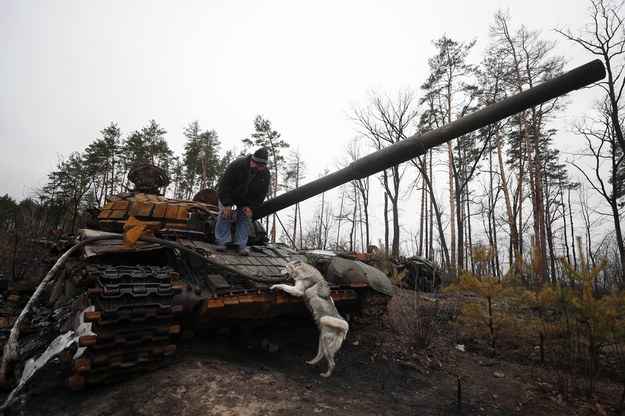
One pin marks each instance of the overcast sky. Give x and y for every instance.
(70, 68)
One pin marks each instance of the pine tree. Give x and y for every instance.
(147, 146)
(201, 159)
(449, 87)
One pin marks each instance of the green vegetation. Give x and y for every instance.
(577, 327)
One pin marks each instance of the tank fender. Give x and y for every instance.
(353, 272)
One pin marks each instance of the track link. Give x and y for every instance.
(133, 320)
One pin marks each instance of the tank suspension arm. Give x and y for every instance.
(418, 144)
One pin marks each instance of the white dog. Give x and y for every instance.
(310, 285)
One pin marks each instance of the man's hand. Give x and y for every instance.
(248, 213)
(226, 212)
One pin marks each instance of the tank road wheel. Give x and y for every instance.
(130, 323)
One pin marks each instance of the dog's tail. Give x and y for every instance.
(335, 323)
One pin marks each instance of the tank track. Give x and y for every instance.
(132, 313)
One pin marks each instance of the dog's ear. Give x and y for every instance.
(296, 262)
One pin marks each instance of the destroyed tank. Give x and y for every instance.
(145, 271)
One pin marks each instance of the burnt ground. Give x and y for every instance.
(262, 372)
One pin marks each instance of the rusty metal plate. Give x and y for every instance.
(121, 205)
(160, 209)
(141, 209)
(172, 212)
(104, 213)
(183, 213)
(117, 213)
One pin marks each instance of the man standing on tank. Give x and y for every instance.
(244, 184)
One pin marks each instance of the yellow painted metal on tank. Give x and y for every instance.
(141, 209)
(160, 209)
(172, 212)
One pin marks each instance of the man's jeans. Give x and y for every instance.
(222, 229)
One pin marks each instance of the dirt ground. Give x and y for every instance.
(262, 372)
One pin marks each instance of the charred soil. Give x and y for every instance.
(380, 371)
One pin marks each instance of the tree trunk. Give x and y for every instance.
(435, 214)
(572, 230)
(618, 231)
(514, 235)
(386, 231)
(452, 213)
(422, 220)
(395, 207)
(295, 217)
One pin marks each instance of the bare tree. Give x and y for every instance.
(317, 232)
(431, 211)
(294, 174)
(359, 197)
(385, 121)
(604, 36)
(604, 150)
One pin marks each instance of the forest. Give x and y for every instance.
(508, 186)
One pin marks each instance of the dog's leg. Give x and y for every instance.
(319, 353)
(331, 342)
(331, 345)
(331, 365)
(296, 290)
(329, 349)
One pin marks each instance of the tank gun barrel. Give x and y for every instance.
(418, 144)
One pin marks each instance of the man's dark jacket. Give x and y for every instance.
(242, 186)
